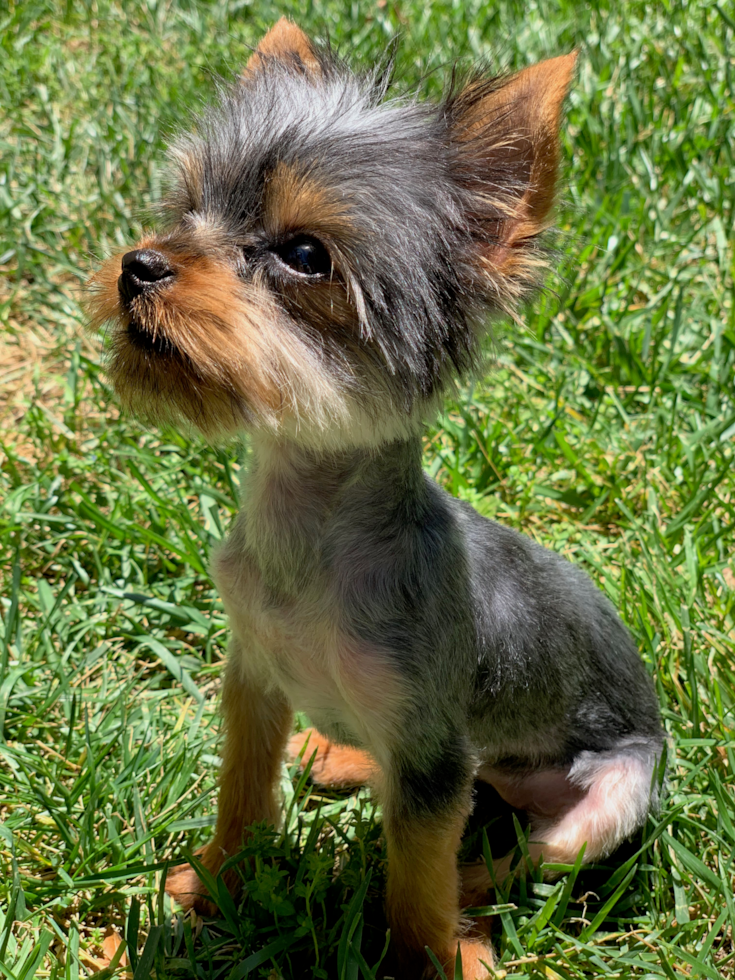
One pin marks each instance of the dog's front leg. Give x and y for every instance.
(423, 822)
(256, 725)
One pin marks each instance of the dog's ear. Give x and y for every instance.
(505, 137)
(285, 43)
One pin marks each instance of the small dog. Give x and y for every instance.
(330, 262)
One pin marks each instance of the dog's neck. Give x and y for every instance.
(294, 498)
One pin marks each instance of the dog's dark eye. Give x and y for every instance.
(306, 256)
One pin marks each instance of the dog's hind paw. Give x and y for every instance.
(335, 766)
(477, 960)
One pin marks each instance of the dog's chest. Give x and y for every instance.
(349, 689)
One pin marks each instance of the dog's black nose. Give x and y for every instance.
(142, 269)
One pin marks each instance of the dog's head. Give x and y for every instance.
(330, 256)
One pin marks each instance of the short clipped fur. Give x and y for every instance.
(330, 261)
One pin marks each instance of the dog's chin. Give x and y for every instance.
(157, 383)
(155, 343)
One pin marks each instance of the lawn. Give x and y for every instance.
(604, 429)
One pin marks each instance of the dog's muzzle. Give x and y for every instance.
(143, 269)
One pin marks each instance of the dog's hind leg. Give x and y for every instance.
(598, 802)
(335, 766)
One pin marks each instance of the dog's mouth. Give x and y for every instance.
(152, 342)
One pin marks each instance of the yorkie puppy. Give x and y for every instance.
(329, 265)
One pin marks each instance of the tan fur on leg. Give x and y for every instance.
(336, 766)
(256, 730)
(477, 960)
(422, 897)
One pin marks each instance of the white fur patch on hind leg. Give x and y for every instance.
(617, 797)
(616, 794)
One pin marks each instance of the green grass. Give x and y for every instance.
(605, 430)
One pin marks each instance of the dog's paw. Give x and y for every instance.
(477, 882)
(477, 960)
(335, 766)
(185, 887)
